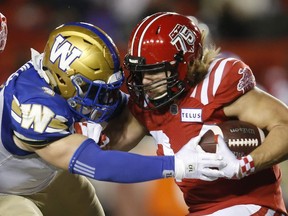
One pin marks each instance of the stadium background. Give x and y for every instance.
(256, 31)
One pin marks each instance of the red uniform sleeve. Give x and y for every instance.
(236, 79)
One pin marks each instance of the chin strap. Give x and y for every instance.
(36, 59)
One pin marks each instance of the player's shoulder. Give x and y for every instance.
(38, 98)
(226, 80)
(30, 88)
(38, 113)
(227, 67)
(231, 73)
(41, 117)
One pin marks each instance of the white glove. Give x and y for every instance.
(92, 130)
(236, 168)
(191, 161)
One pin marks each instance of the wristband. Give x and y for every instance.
(247, 165)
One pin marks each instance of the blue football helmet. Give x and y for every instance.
(83, 65)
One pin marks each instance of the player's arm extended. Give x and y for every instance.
(83, 156)
(266, 112)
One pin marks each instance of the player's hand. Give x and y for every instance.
(194, 163)
(92, 130)
(236, 168)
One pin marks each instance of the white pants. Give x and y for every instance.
(243, 210)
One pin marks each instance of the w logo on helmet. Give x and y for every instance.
(182, 38)
(65, 52)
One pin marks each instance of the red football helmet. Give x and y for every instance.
(3, 32)
(162, 42)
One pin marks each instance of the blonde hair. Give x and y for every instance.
(198, 68)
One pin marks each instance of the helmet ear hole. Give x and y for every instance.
(179, 56)
(59, 78)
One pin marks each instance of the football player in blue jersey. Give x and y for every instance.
(43, 162)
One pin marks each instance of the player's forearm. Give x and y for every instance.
(116, 166)
(273, 150)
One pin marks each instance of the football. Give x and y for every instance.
(241, 137)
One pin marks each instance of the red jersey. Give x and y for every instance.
(226, 80)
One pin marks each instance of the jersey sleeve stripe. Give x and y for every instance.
(218, 76)
(218, 73)
(204, 91)
(193, 94)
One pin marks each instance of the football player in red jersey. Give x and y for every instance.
(178, 89)
(3, 32)
(43, 162)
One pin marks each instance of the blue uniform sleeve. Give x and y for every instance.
(116, 166)
(41, 118)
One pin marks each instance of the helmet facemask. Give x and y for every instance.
(95, 100)
(137, 67)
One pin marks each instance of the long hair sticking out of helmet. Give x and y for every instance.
(162, 42)
(83, 65)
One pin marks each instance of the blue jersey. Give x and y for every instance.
(32, 111)
(35, 114)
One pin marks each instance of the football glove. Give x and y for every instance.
(236, 168)
(191, 161)
(92, 130)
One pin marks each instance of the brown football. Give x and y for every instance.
(241, 137)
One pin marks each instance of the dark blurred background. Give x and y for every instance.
(256, 31)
